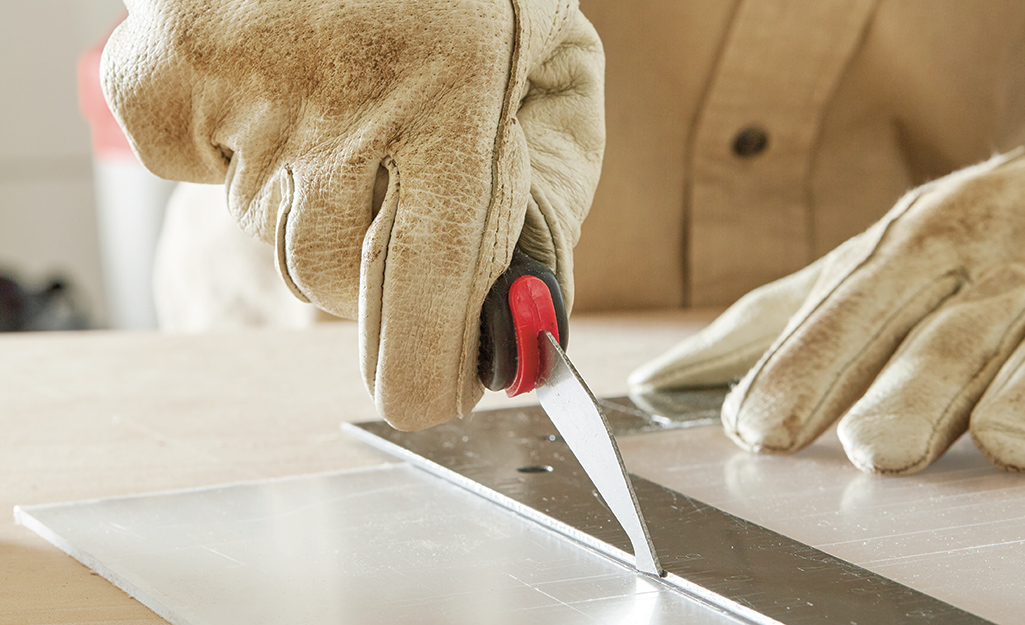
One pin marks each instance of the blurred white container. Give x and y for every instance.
(130, 208)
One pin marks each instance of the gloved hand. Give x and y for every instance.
(910, 334)
(394, 152)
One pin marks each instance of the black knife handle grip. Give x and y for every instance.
(506, 356)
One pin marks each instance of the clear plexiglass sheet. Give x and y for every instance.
(390, 544)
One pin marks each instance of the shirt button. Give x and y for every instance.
(750, 141)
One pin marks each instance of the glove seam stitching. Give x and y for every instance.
(505, 122)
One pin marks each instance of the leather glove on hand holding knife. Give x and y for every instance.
(393, 151)
(908, 334)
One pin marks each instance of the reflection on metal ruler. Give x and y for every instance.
(515, 458)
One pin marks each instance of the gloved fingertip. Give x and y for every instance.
(1003, 446)
(884, 445)
(773, 440)
(640, 380)
(883, 464)
(757, 432)
(755, 429)
(683, 367)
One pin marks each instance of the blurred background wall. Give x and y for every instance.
(47, 207)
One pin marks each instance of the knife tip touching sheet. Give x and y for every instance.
(577, 415)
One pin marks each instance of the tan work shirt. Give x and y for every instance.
(748, 137)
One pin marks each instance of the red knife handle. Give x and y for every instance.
(524, 301)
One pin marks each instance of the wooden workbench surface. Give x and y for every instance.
(100, 414)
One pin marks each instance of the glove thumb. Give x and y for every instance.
(732, 344)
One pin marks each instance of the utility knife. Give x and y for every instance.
(524, 332)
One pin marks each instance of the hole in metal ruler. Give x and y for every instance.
(536, 468)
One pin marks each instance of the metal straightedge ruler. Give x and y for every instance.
(515, 458)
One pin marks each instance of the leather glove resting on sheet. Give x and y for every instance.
(910, 334)
(394, 152)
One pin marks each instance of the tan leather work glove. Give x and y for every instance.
(394, 152)
(910, 334)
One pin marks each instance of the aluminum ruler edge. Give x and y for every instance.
(719, 559)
